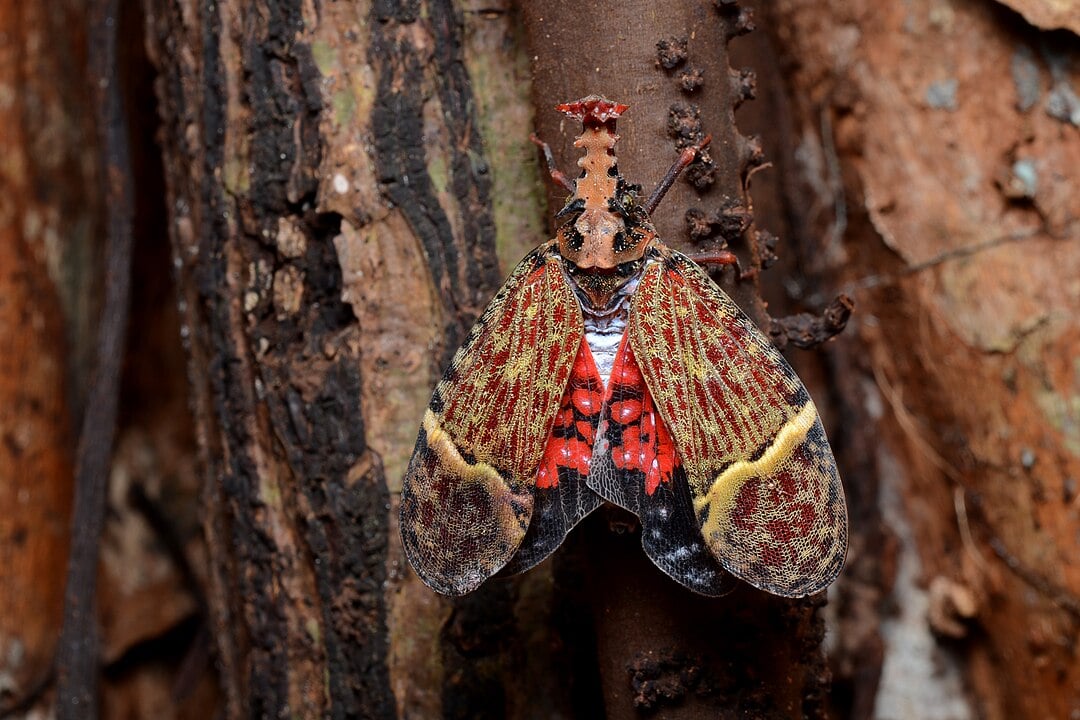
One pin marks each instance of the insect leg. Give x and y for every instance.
(723, 257)
(685, 158)
(549, 161)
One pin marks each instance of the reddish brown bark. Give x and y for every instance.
(35, 467)
(929, 175)
(41, 200)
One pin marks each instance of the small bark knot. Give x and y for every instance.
(806, 330)
(743, 85)
(690, 79)
(662, 677)
(729, 222)
(671, 52)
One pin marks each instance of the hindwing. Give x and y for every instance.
(561, 497)
(636, 466)
(467, 498)
(764, 486)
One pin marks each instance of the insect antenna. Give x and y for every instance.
(549, 160)
(685, 158)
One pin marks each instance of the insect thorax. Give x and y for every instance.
(604, 328)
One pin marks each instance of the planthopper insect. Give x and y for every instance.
(610, 367)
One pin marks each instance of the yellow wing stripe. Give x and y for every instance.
(480, 473)
(720, 499)
(450, 458)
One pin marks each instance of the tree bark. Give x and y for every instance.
(46, 224)
(343, 185)
(295, 501)
(927, 175)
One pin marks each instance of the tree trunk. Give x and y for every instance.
(659, 646)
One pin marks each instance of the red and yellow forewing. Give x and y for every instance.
(766, 493)
(468, 494)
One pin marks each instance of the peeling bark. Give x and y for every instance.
(1048, 14)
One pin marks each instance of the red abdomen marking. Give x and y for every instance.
(639, 440)
(571, 441)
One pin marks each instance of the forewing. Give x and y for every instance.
(562, 499)
(765, 489)
(467, 498)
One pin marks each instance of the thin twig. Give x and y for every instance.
(77, 661)
(1053, 592)
(962, 521)
(910, 426)
(873, 281)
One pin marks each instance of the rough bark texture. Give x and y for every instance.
(932, 149)
(295, 501)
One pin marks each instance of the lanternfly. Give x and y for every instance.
(611, 367)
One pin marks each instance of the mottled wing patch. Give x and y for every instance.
(636, 467)
(765, 490)
(561, 498)
(467, 498)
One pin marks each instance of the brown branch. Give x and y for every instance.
(77, 651)
(807, 331)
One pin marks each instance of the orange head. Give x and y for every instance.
(608, 230)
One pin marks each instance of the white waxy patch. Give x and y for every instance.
(341, 184)
(604, 329)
